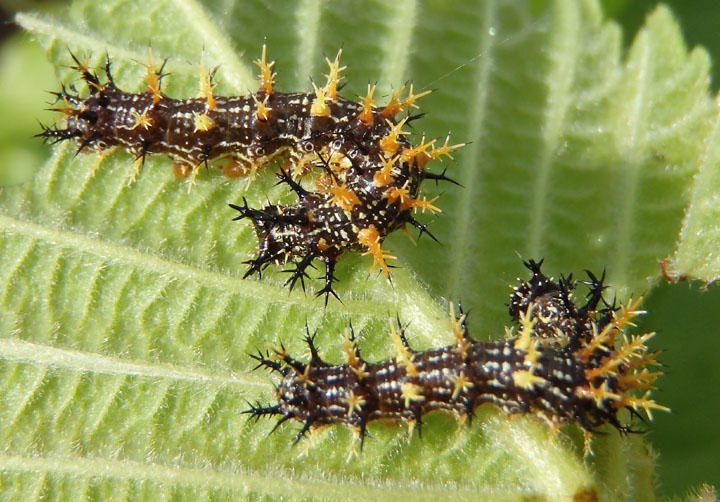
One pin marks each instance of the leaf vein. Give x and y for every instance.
(106, 400)
(308, 26)
(30, 246)
(268, 482)
(160, 265)
(10, 425)
(473, 190)
(563, 56)
(21, 351)
(631, 177)
(399, 37)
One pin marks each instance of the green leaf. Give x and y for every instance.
(577, 155)
(126, 322)
(696, 255)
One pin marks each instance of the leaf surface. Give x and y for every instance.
(127, 325)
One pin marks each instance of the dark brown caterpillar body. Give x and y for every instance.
(368, 174)
(583, 376)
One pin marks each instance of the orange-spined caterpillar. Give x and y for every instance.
(367, 172)
(565, 365)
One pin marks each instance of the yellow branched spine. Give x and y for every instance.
(370, 238)
(266, 76)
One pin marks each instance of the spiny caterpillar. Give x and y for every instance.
(368, 172)
(563, 364)
(367, 188)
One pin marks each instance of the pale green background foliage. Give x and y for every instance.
(125, 324)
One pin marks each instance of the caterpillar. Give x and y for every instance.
(562, 364)
(368, 172)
